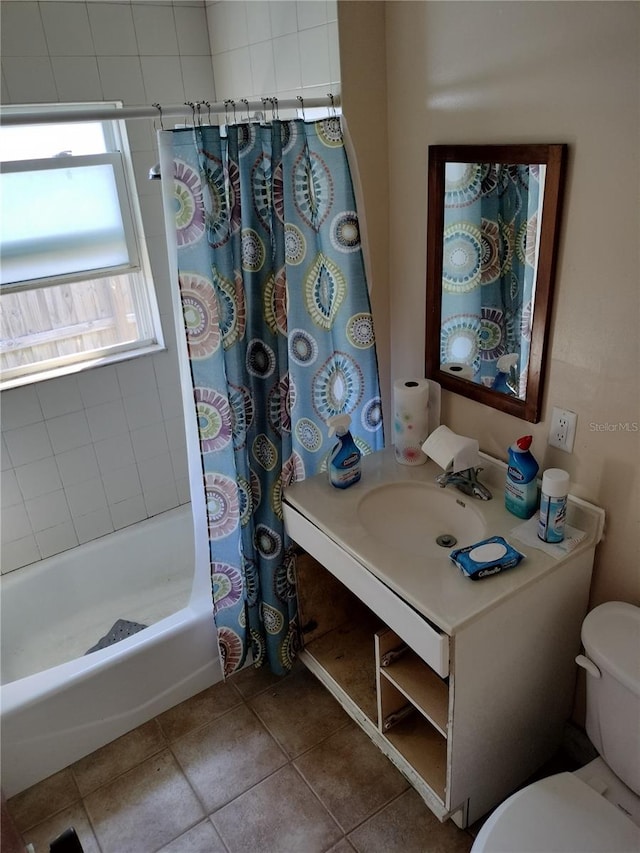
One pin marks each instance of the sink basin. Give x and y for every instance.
(411, 516)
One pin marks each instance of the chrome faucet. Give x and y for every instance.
(466, 481)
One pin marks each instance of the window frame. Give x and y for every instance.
(142, 287)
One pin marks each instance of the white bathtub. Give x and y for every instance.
(57, 704)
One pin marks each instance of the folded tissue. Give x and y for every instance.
(488, 557)
(452, 452)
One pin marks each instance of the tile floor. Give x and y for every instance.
(254, 765)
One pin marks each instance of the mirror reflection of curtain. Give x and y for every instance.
(280, 337)
(489, 262)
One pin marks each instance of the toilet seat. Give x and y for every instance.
(559, 814)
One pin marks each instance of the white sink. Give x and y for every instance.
(411, 517)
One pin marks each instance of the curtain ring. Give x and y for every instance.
(207, 104)
(299, 98)
(274, 102)
(193, 112)
(333, 105)
(159, 108)
(233, 106)
(246, 103)
(226, 110)
(197, 109)
(264, 109)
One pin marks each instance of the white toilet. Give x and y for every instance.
(597, 808)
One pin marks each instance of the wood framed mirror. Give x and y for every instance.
(492, 237)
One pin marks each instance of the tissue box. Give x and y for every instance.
(488, 557)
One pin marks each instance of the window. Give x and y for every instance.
(75, 281)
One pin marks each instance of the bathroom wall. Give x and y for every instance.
(282, 48)
(99, 450)
(473, 72)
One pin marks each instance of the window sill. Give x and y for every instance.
(79, 367)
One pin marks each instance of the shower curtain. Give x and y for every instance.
(489, 262)
(280, 337)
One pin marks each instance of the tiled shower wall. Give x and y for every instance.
(93, 452)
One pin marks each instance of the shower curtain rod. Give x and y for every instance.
(199, 110)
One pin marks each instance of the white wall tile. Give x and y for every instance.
(127, 512)
(311, 13)
(99, 386)
(232, 74)
(106, 420)
(171, 401)
(77, 465)
(156, 472)
(150, 441)
(23, 552)
(5, 461)
(5, 97)
(86, 497)
(121, 79)
(38, 478)
(121, 484)
(112, 29)
(28, 444)
(197, 76)
(174, 428)
(54, 540)
(67, 30)
(152, 215)
(180, 464)
(334, 52)
(22, 33)
(263, 70)
(167, 370)
(332, 10)
(29, 79)
(77, 78)
(227, 26)
(314, 51)
(162, 77)
(59, 396)
(48, 511)
(136, 376)
(192, 31)
(155, 30)
(161, 499)
(141, 132)
(287, 62)
(184, 490)
(114, 452)
(258, 21)
(93, 525)
(15, 523)
(20, 407)
(10, 493)
(67, 432)
(143, 409)
(284, 18)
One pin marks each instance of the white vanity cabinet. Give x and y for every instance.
(465, 685)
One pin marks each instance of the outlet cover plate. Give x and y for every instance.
(562, 430)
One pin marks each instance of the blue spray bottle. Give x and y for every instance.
(521, 488)
(344, 462)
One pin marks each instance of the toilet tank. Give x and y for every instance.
(611, 639)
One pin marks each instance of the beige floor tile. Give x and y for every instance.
(407, 826)
(44, 799)
(44, 833)
(250, 681)
(117, 757)
(202, 838)
(225, 758)
(199, 710)
(351, 776)
(299, 712)
(342, 846)
(145, 808)
(279, 815)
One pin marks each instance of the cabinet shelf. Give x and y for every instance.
(422, 687)
(347, 654)
(425, 750)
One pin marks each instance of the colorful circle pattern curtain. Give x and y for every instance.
(280, 337)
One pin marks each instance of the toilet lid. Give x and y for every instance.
(559, 814)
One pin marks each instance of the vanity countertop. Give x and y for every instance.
(430, 582)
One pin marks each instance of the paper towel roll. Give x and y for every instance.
(459, 369)
(410, 420)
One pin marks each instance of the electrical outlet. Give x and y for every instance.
(562, 431)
